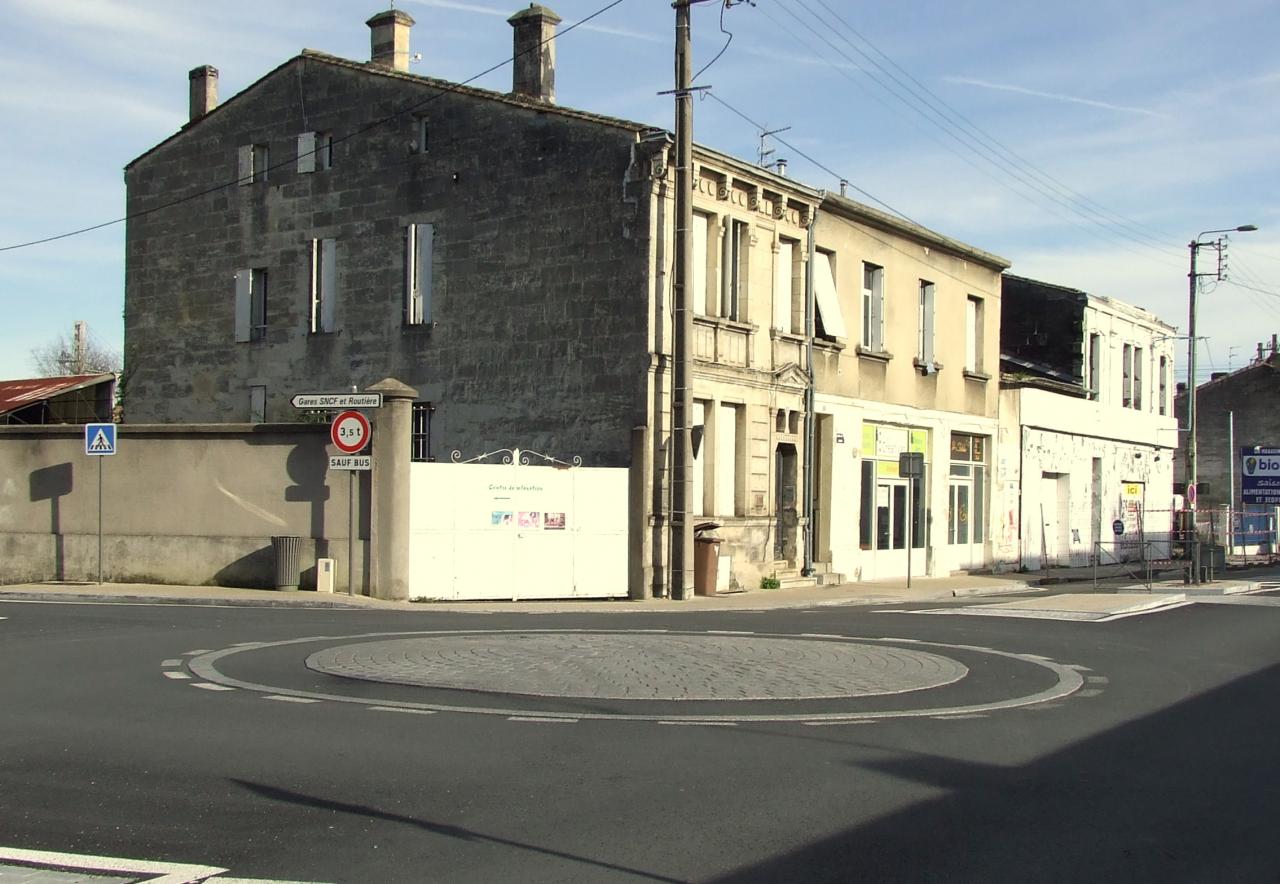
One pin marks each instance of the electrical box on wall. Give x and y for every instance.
(324, 575)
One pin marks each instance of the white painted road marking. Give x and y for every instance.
(175, 675)
(208, 686)
(541, 720)
(166, 873)
(398, 709)
(171, 662)
(1068, 681)
(290, 699)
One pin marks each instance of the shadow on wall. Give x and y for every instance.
(52, 484)
(257, 570)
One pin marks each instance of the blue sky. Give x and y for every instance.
(1088, 143)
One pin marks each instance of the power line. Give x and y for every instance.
(444, 89)
(944, 126)
(1161, 240)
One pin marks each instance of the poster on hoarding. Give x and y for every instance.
(1260, 475)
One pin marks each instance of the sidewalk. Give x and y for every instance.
(922, 590)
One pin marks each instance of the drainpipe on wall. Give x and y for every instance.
(1022, 447)
(809, 419)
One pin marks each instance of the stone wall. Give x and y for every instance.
(188, 505)
(539, 270)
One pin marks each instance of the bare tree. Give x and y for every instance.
(79, 355)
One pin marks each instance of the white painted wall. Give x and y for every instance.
(1045, 432)
(461, 550)
(846, 484)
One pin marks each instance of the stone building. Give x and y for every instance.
(1087, 433)
(1234, 410)
(511, 260)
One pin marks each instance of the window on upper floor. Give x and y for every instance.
(973, 334)
(737, 244)
(872, 307)
(1126, 371)
(924, 342)
(251, 305)
(1164, 385)
(324, 285)
(1095, 365)
(696, 296)
(419, 248)
(421, 135)
(1137, 378)
(784, 288)
(254, 160)
(315, 152)
(827, 318)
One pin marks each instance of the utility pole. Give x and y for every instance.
(681, 586)
(1192, 476)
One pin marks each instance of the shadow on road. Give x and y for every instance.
(450, 831)
(1188, 794)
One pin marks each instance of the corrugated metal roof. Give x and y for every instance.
(21, 393)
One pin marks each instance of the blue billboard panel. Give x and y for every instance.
(1260, 475)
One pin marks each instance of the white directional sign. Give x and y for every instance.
(337, 400)
(99, 439)
(350, 462)
(350, 432)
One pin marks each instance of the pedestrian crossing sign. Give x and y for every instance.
(99, 439)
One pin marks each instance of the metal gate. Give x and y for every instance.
(513, 524)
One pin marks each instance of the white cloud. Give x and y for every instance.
(1054, 96)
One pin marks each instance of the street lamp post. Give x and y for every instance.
(1192, 476)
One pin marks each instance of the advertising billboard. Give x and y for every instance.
(1260, 475)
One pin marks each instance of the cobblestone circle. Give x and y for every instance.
(627, 666)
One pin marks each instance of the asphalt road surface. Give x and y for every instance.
(837, 744)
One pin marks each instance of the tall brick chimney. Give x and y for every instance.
(204, 90)
(535, 53)
(389, 39)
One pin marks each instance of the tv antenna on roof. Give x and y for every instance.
(766, 152)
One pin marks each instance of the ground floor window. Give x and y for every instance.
(890, 504)
(966, 490)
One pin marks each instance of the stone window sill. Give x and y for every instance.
(835, 345)
(730, 324)
(981, 376)
(926, 368)
(874, 355)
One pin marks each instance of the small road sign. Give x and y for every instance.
(99, 439)
(1118, 527)
(350, 462)
(315, 401)
(350, 432)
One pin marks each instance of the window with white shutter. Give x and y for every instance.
(324, 285)
(419, 243)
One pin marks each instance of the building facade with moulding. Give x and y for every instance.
(1088, 436)
(511, 260)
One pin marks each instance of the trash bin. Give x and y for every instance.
(288, 553)
(706, 558)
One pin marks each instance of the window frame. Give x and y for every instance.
(419, 258)
(872, 307)
(974, 340)
(925, 316)
(324, 286)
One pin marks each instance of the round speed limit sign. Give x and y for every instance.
(350, 432)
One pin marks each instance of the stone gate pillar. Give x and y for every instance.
(389, 506)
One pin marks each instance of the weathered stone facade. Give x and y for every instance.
(538, 321)
(551, 248)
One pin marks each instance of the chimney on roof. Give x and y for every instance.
(1217, 375)
(1181, 388)
(534, 50)
(204, 90)
(389, 39)
(844, 187)
(1274, 343)
(781, 166)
